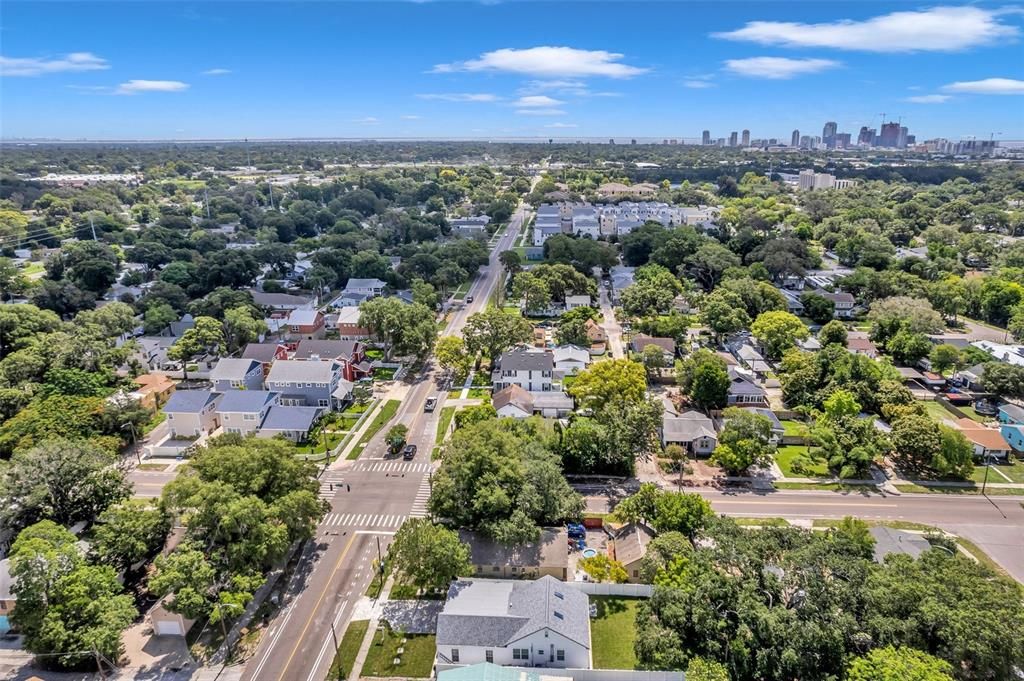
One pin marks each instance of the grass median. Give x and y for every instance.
(386, 413)
(345, 656)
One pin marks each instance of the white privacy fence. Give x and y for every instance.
(629, 590)
(590, 674)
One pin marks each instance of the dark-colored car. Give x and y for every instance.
(430, 404)
(409, 452)
(469, 299)
(576, 531)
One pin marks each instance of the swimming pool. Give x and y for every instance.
(589, 553)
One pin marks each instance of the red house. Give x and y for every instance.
(306, 325)
(350, 354)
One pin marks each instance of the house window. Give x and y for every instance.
(324, 403)
(520, 653)
(636, 573)
(455, 654)
(496, 568)
(249, 417)
(489, 656)
(560, 655)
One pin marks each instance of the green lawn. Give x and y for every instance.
(761, 522)
(374, 353)
(417, 659)
(479, 393)
(384, 373)
(152, 466)
(1014, 471)
(383, 416)
(447, 413)
(973, 415)
(793, 428)
(785, 456)
(345, 656)
(976, 489)
(462, 290)
(938, 412)
(455, 394)
(826, 487)
(33, 268)
(613, 632)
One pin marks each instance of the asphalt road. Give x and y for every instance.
(996, 524)
(370, 499)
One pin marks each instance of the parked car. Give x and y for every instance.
(576, 531)
(431, 403)
(409, 452)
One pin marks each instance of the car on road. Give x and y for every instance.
(469, 299)
(409, 453)
(430, 404)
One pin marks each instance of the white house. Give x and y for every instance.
(569, 359)
(573, 302)
(584, 222)
(692, 430)
(192, 413)
(542, 623)
(243, 411)
(369, 287)
(531, 370)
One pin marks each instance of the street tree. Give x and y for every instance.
(704, 377)
(451, 354)
(396, 437)
(430, 556)
(681, 512)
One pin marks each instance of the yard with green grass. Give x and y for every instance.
(938, 412)
(447, 413)
(827, 487)
(417, 660)
(345, 656)
(383, 416)
(975, 489)
(785, 456)
(384, 373)
(613, 632)
(462, 290)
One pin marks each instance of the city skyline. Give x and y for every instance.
(442, 70)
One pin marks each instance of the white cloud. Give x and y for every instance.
(462, 97)
(133, 87)
(988, 86)
(928, 99)
(216, 72)
(548, 62)
(941, 29)
(559, 124)
(540, 112)
(778, 68)
(697, 83)
(366, 120)
(38, 66)
(562, 87)
(531, 101)
(411, 117)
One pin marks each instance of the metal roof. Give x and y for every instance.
(245, 401)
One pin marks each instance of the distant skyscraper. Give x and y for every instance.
(746, 138)
(732, 138)
(632, 141)
(828, 134)
(866, 136)
(901, 141)
(705, 137)
(794, 141)
(842, 140)
(890, 135)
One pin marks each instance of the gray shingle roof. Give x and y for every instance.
(487, 612)
(189, 401)
(294, 370)
(687, 427)
(244, 401)
(232, 369)
(324, 349)
(261, 352)
(1013, 411)
(522, 360)
(290, 418)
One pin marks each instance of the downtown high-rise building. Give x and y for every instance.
(745, 138)
(866, 136)
(794, 140)
(705, 137)
(890, 135)
(733, 136)
(828, 134)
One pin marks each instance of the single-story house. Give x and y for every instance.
(294, 423)
(862, 346)
(167, 623)
(575, 301)
(889, 541)
(192, 413)
(630, 546)
(743, 392)
(753, 360)
(989, 443)
(485, 671)
(282, 303)
(515, 401)
(691, 430)
(517, 623)
(667, 345)
(970, 378)
(154, 390)
(549, 555)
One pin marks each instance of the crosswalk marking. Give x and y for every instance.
(419, 504)
(392, 467)
(331, 478)
(363, 520)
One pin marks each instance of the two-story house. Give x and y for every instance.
(192, 413)
(368, 287)
(237, 374)
(843, 301)
(515, 622)
(306, 324)
(303, 383)
(243, 411)
(346, 322)
(265, 354)
(351, 355)
(531, 370)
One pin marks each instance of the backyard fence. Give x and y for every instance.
(629, 590)
(590, 674)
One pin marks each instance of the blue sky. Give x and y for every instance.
(153, 70)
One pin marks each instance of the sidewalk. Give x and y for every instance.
(376, 609)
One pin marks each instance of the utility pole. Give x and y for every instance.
(270, 190)
(206, 195)
(93, 228)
